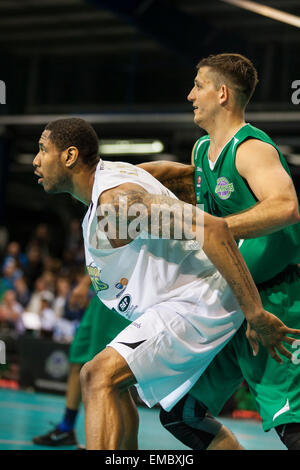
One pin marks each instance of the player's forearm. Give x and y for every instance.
(265, 217)
(222, 250)
(164, 170)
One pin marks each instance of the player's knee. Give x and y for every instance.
(98, 373)
(190, 423)
(85, 375)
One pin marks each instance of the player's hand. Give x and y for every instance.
(269, 331)
(79, 297)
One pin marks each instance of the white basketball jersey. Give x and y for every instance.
(147, 271)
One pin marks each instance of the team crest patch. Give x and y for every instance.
(224, 188)
(94, 274)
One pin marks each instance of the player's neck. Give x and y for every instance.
(82, 184)
(222, 130)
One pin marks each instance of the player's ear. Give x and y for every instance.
(71, 156)
(223, 94)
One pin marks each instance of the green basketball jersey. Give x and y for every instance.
(223, 191)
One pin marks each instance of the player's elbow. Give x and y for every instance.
(216, 227)
(292, 212)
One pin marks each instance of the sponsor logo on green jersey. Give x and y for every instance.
(224, 188)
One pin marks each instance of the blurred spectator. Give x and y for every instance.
(63, 287)
(22, 291)
(41, 238)
(3, 239)
(37, 286)
(52, 264)
(74, 237)
(49, 279)
(10, 273)
(34, 304)
(64, 330)
(74, 249)
(47, 315)
(34, 266)
(74, 313)
(13, 252)
(11, 312)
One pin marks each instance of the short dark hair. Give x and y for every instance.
(236, 70)
(77, 132)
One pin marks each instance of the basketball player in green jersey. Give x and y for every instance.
(240, 174)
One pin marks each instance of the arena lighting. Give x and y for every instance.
(264, 10)
(130, 147)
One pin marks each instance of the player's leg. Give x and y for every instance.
(225, 440)
(73, 395)
(190, 422)
(196, 427)
(131, 419)
(276, 386)
(97, 328)
(63, 434)
(162, 351)
(110, 414)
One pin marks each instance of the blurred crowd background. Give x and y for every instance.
(36, 284)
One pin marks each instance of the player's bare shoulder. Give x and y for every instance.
(253, 153)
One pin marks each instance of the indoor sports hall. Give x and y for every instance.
(132, 70)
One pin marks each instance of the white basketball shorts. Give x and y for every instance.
(169, 346)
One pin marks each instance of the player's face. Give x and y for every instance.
(48, 165)
(204, 97)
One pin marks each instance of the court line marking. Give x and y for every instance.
(20, 443)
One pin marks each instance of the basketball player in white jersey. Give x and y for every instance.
(183, 311)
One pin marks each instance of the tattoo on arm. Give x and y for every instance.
(162, 216)
(185, 191)
(239, 286)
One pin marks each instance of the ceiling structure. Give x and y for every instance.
(65, 54)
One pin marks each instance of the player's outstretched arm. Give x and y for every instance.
(177, 177)
(263, 327)
(218, 244)
(164, 170)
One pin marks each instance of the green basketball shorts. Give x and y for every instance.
(275, 387)
(98, 327)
